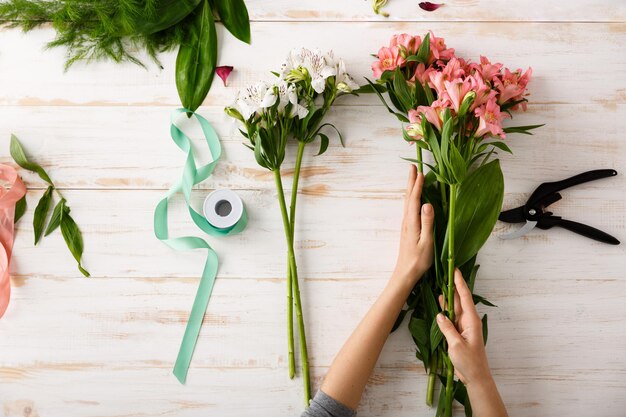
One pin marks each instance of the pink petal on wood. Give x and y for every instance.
(223, 72)
(430, 7)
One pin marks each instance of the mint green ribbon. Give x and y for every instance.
(193, 175)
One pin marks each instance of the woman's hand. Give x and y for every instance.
(465, 345)
(416, 238)
(467, 352)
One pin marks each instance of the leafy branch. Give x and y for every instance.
(60, 214)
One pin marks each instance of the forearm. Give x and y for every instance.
(349, 372)
(485, 399)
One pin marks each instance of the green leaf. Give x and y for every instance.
(402, 91)
(197, 58)
(419, 330)
(478, 204)
(41, 213)
(423, 53)
(234, 16)
(399, 116)
(18, 155)
(323, 143)
(20, 209)
(73, 238)
(501, 145)
(55, 219)
(435, 336)
(370, 88)
(485, 329)
(167, 13)
(521, 129)
(482, 300)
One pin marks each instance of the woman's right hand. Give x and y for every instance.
(465, 345)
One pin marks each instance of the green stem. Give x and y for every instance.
(292, 223)
(296, 290)
(430, 391)
(450, 368)
(420, 165)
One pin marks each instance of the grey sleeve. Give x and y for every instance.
(323, 405)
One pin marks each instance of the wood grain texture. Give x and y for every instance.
(104, 346)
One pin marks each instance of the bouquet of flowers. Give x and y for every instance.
(292, 106)
(454, 109)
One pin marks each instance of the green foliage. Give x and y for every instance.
(197, 58)
(60, 215)
(100, 30)
(20, 209)
(479, 201)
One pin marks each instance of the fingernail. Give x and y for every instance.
(427, 208)
(440, 318)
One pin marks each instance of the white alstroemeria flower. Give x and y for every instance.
(344, 82)
(251, 99)
(319, 69)
(302, 64)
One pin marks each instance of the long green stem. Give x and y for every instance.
(450, 368)
(420, 165)
(296, 290)
(292, 223)
(432, 374)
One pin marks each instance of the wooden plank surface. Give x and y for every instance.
(105, 346)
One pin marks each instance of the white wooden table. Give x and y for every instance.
(105, 346)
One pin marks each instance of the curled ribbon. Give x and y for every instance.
(11, 191)
(193, 175)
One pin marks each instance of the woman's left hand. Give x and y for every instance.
(416, 239)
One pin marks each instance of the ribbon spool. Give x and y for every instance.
(223, 208)
(192, 175)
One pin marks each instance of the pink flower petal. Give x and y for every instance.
(430, 7)
(223, 72)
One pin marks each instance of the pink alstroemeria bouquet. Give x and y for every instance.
(454, 109)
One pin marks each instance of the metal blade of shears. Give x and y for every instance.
(530, 225)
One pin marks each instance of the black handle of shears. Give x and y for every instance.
(548, 188)
(582, 229)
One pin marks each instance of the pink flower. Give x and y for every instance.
(389, 60)
(483, 92)
(490, 119)
(456, 90)
(414, 129)
(438, 49)
(223, 72)
(488, 70)
(409, 43)
(512, 86)
(432, 113)
(453, 69)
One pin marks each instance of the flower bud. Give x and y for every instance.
(403, 52)
(297, 74)
(234, 113)
(343, 87)
(468, 100)
(415, 131)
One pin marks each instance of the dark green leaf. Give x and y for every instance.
(402, 92)
(197, 58)
(485, 329)
(55, 219)
(423, 53)
(501, 145)
(18, 155)
(167, 13)
(323, 143)
(399, 116)
(521, 129)
(234, 16)
(482, 300)
(41, 213)
(369, 89)
(435, 336)
(73, 239)
(478, 204)
(20, 209)
(419, 330)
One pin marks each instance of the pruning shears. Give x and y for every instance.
(534, 213)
